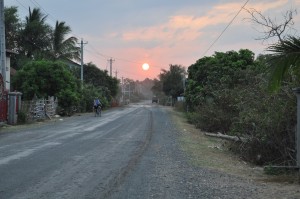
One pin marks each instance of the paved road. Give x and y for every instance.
(128, 153)
(79, 157)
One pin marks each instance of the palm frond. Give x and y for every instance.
(285, 57)
(62, 46)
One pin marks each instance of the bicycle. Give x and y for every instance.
(98, 111)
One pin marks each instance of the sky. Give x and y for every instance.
(159, 32)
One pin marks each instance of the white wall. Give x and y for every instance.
(7, 69)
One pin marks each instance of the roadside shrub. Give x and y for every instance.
(68, 99)
(43, 78)
(269, 170)
(269, 125)
(180, 106)
(217, 113)
(164, 100)
(21, 117)
(192, 117)
(231, 96)
(87, 96)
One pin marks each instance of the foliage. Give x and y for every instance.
(228, 93)
(34, 36)
(46, 78)
(172, 80)
(270, 128)
(21, 117)
(12, 27)
(180, 106)
(219, 112)
(157, 87)
(130, 90)
(210, 75)
(88, 93)
(290, 173)
(34, 39)
(40, 47)
(285, 57)
(100, 78)
(158, 92)
(268, 121)
(170, 84)
(62, 47)
(144, 88)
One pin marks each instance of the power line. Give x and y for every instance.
(226, 27)
(101, 54)
(94, 50)
(120, 59)
(38, 5)
(21, 4)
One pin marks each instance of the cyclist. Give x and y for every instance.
(97, 104)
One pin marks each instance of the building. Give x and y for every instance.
(8, 69)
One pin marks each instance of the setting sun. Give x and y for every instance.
(145, 66)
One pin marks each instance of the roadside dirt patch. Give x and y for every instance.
(212, 153)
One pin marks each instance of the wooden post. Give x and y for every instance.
(297, 93)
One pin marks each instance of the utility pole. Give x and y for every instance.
(2, 43)
(110, 64)
(81, 47)
(116, 74)
(297, 136)
(122, 88)
(129, 91)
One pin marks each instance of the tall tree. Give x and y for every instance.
(12, 27)
(63, 47)
(35, 37)
(157, 87)
(217, 73)
(99, 78)
(172, 80)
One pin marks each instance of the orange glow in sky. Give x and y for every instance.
(159, 32)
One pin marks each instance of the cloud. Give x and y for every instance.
(182, 27)
(183, 37)
(263, 6)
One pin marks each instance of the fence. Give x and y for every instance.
(39, 108)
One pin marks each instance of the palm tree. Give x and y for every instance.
(35, 34)
(12, 26)
(285, 57)
(61, 47)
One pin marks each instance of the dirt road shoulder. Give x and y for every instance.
(212, 153)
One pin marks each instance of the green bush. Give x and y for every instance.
(88, 94)
(217, 113)
(269, 124)
(22, 118)
(230, 96)
(180, 106)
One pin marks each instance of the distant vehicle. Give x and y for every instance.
(154, 99)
